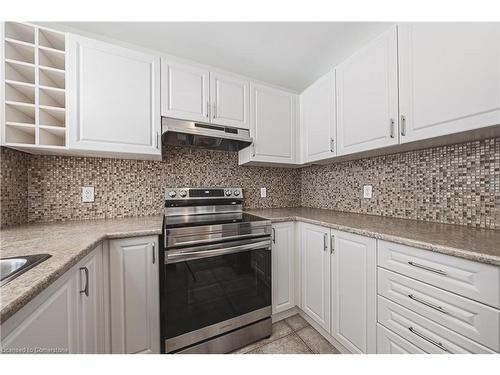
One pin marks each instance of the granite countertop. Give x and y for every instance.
(481, 245)
(67, 242)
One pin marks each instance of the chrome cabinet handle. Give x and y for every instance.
(428, 339)
(325, 243)
(153, 246)
(157, 139)
(207, 109)
(215, 110)
(427, 303)
(86, 289)
(253, 149)
(392, 127)
(274, 235)
(332, 244)
(430, 269)
(332, 144)
(403, 125)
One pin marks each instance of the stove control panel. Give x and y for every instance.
(201, 193)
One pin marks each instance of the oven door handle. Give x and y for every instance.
(183, 256)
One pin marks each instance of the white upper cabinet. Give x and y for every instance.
(273, 126)
(114, 99)
(318, 119)
(185, 92)
(449, 76)
(367, 97)
(354, 291)
(230, 100)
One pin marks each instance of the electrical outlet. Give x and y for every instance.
(263, 192)
(367, 191)
(87, 194)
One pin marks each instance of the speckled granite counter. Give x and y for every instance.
(67, 242)
(482, 245)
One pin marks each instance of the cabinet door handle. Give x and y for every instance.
(86, 289)
(392, 127)
(325, 242)
(253, 149)
(153, 246)
(403, 125)
(428, 339)
(430, 269)
(274, 235)
(215, 110)
(332, 145)
(332, 244)
(207, 109)
(427, 303)
(157, 139)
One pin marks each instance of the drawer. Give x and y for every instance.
(471, 319)
(424, 333)
(477, 281)
(390, 343)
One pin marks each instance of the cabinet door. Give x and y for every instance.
(114, 98)
(90, 304)
(354, 291)
(274, 124)
(318, 119)
(185, 92)
(367, 97)
(134, 290)
(449, 77)
(230, 100)
(315, 249)
(283, 267)
(48, 324)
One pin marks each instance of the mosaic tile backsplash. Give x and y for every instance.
(132, 187)
(457, 184)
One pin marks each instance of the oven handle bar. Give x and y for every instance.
(200, 254)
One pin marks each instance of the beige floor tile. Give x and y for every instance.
(296, 322)
(280, 329)
(290, 344)
(316, 342)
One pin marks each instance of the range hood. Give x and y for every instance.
(198, 134)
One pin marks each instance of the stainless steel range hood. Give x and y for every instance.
(197, 134)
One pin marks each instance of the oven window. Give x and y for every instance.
(206, 291)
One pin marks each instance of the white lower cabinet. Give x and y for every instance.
(64, 318)
(315, 273)
(134, 291)
(283, 267)
(354, 291)
(390, 343)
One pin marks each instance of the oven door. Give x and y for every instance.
(212, 289)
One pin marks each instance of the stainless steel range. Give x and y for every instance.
(216, 278)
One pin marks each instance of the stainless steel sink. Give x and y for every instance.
(10, 268)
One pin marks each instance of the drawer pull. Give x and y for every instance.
(433, 342)
(426, 303)
(435, 270)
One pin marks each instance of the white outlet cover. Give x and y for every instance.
(367, 191)
(87, 194)
(263, 192)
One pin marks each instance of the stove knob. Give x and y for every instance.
(172, 194)
(228, 193)
(236, 193)
(182, 193)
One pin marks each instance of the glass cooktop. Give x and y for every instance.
(210, 219)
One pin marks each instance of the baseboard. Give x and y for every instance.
(342, 349)
(285, 314)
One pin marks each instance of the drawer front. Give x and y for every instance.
(471, 319)
(477, 281)
(424, 333)
(390, 343)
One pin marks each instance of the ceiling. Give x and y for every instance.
(288, 54)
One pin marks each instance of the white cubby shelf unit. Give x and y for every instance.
(34, 86)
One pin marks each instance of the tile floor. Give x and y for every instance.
(291, 336)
